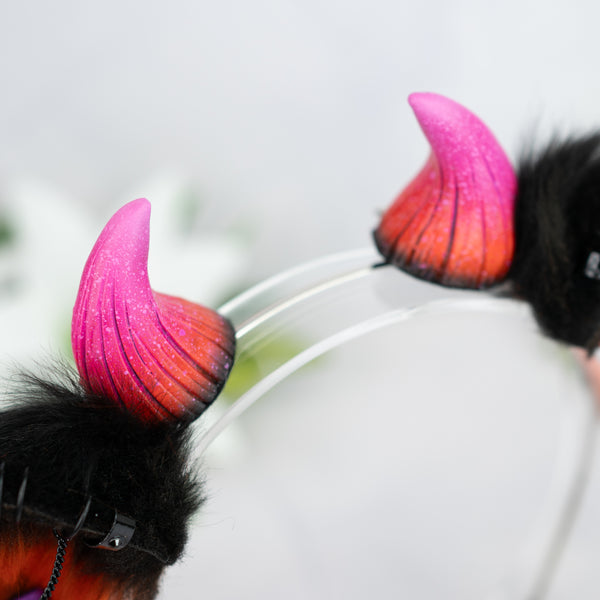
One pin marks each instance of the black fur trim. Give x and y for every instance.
(73, 445)
(557, 229)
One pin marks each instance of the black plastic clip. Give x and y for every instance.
(120, 533)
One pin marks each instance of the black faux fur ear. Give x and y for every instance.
(556, 266)
(71, 446)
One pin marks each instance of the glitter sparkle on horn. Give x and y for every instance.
(160, 357)
(453, 224)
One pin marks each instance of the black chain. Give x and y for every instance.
(58, 565)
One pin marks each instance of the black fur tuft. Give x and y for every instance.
(557, 228)
(75, 445)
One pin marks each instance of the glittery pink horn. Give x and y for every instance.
(160, 357)
(453, 224)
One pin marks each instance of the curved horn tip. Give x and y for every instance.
(140, 204)
(445, 121)
(136, 209)
(428, 100)
(133, 216)
(424, 102)
(126, 233)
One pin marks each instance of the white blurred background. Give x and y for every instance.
(266, 134)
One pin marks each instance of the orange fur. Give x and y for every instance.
(26, 565)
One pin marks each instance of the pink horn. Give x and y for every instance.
(453, 224)
(160, 357)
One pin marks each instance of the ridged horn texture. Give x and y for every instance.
(160, 357)
(453, 224)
